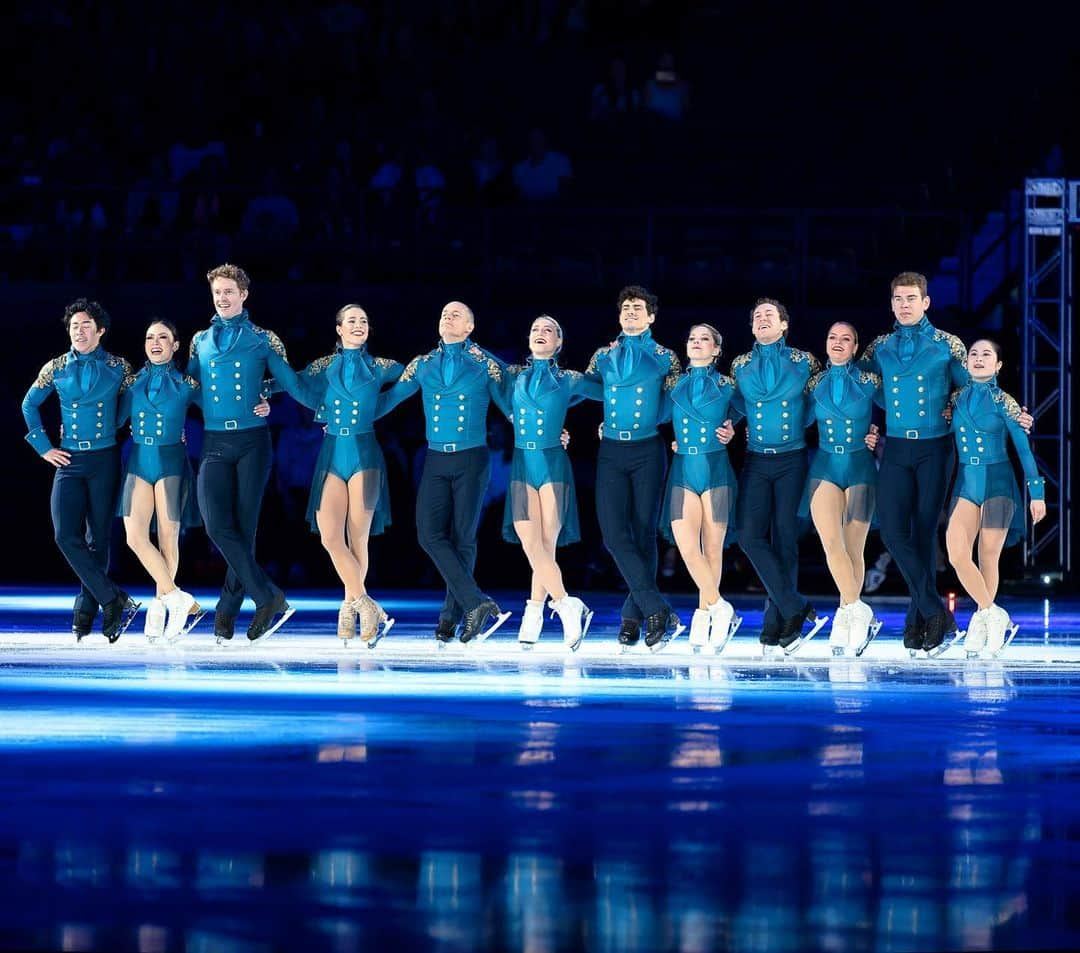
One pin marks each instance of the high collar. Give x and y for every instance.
(845, 368)
(351, 353)
(637, 340)
(455, 347)
(768, 350)
(159, 369)
(542, 362)
(985, 385)
(922, 327)
(703, 371)
(242, 318)
(97, 354)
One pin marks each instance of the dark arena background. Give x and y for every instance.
(528, 158)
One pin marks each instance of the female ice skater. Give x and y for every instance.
(350, 500)
(541, 505)
(158, 482)
(987, 508)
(699, 503)
(843, 481)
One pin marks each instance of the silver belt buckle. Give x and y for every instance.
(530, 444)
(912, 435)
(625, 435)
(147, 441)
(839, 449)
(449, 448)
(85, 445)
(692, 451)
(974, 461)
(768, 450)
(343, 432)
(231, 424)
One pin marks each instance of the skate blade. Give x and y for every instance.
(1012, 630)
(667, 640)
(285, 616)
(819, 624)
(490, 630)
(193, 620)
(769, 652)
(526, 646)
(380, 633)
(128, 618)
(585, 620)
(733, 627)
(871, 633)
(940, 650)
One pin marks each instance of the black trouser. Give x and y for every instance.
(912, 482)
(83, 504)
(629, 486)
(448, 505)
(766, 520)
(233, 472)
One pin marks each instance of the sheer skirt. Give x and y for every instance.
(344, 457)
(534, 469)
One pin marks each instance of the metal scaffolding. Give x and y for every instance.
(1046, 364)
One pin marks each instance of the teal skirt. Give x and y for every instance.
(534, 469)
(993, 488)
(697, 474)
(344, 457)
(855, 473)
(170, 466)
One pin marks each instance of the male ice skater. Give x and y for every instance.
(231, 360)
(87, 380)
(458, 381)
(635, 372)
(771, 387)
(920, 366)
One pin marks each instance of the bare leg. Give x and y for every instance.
(991, 543)
(855, 533)
(827, 507)
(137, 528)
(712, 538)
(960, 538)
(688, 537)
(168, 532)
(363, 496)
(331, 518)
(538, 541)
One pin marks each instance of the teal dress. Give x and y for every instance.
(344, 390)
(984, 418)
(537, 396)
(699, 403)
(156, 403)
(842, 400)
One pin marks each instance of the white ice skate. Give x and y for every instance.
(699, 630)
(1000, 630)
(154, 626)
(863, 634)
(975, 634)
(723, 624)
(575, 617)
(182, 607)
(840, 633)
(532, 624)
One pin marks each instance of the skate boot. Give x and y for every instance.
(374, 622)
(699, 630)
(182, 609)
(482, 621)
(941, 633)
(792, 637)
(1000, 630)
(662, 628)
(154, 624)
(446, 631)
(532, 624)
(82, 624)
(723, 624)
(629, 633)
(575, 617)
(914, 630)
(346, 620)
(975, 637)
(117, 616)
(770, 638)
(840, 634)
(224, 626)
(863, 626)
(269, 618)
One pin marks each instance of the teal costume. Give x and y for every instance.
(699, 403)
(539, 394)
(343, 389)
(156, 403)
(842, 399)
(984, 416)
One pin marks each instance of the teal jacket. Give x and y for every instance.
(772, 383)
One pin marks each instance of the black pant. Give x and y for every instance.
(912, 483)
(83, 504)
(448, 504)
(766, 520)
(233, 473)
(629, 485)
